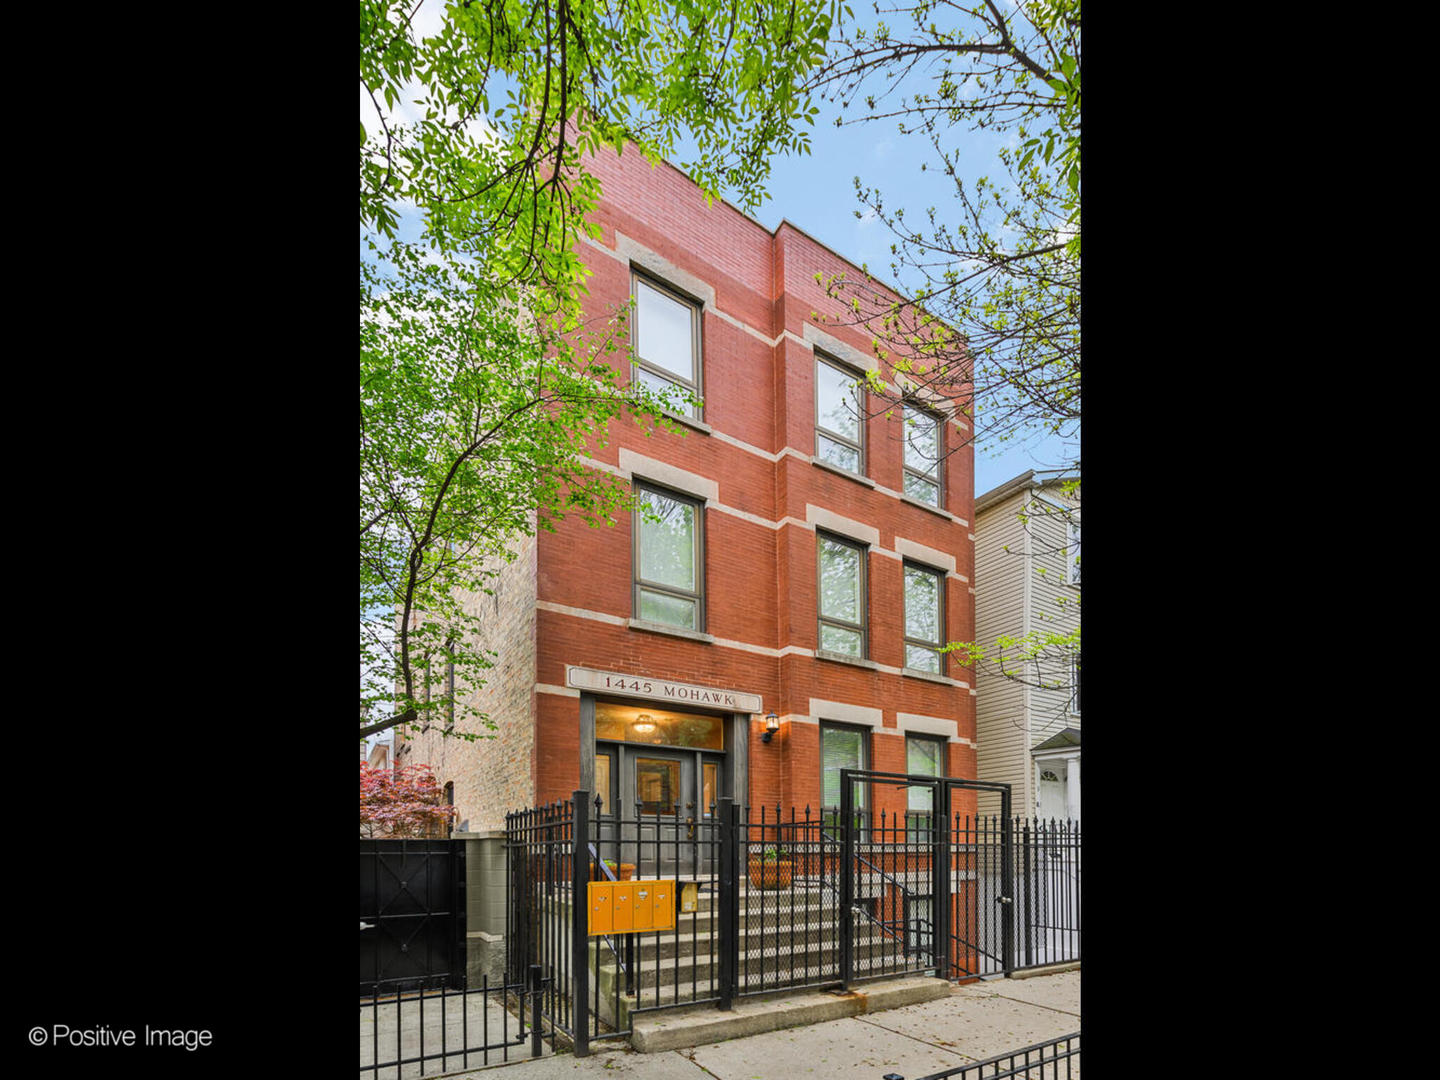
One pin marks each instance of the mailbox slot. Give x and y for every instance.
(627, 907)
(623, 907)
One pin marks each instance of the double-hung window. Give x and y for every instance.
(669, 559)
(924, 756)
(667, 340)
(924, 618)
(923, 451)
(839, 417)
(842, 596)
(1072, 551)
(842, 747)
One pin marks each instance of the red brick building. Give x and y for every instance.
(642, 660)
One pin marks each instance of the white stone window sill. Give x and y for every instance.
(672, 631)
(688, 421)
(838, 471)
(928, 676)
(925, 506)
(841, 658)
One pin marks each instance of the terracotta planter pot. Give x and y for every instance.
(623, 872)
(770, 875)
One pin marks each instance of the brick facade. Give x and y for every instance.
(753, 453)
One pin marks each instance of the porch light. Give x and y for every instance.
(644, 724)
(772, 725)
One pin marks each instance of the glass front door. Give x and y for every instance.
(672, 794)
(663, 769)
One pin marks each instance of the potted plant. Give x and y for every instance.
(623, 871)
(771, 869)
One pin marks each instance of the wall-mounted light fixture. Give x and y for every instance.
(772, 725)
(644, 724)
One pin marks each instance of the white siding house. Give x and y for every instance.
(1027, 581)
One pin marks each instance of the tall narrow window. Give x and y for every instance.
(1072, 552)
(450, 685)
(841, 747)
(669, 560)
(923, 451)
(924, 619)
(667, 340)
(1075, 684)
(839, 424)
(924, 756)
(842, 596)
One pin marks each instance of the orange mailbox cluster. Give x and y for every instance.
(623, 907)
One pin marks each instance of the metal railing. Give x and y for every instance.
(1055, 1059)
(462, 1025)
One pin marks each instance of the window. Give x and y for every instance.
(924, 619)
(602, 781)
(657, 785)
(922, 455)
(450, 685)
(842, 596)
(839, 423)
(924, 756)
(646, 723)
(1072, 553)
(842, 747)
(1075, 684)
(709, 786)
(669, 560)
(667, 340)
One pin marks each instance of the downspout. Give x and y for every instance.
(1026, 600)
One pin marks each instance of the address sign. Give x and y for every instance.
(678, 693)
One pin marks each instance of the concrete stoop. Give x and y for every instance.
(653, 1033)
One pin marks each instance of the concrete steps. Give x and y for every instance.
(787, 936)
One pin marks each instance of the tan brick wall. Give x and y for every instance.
(492, 775)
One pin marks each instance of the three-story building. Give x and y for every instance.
(784, 617)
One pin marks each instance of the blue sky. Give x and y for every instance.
(817, 194)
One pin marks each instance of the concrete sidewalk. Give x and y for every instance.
(974, 1022)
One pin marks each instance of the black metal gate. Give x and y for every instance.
(961, 895)
(419, 1012)
(412, 914)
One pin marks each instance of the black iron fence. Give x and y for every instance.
(768, 900)
(448, 1026)
(1055, 1059)
(1047, 885)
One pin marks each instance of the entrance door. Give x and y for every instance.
(662, 787)
(659, 807)
(1052, 789)
(658, 774)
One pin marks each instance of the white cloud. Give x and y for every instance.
(427, 22)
